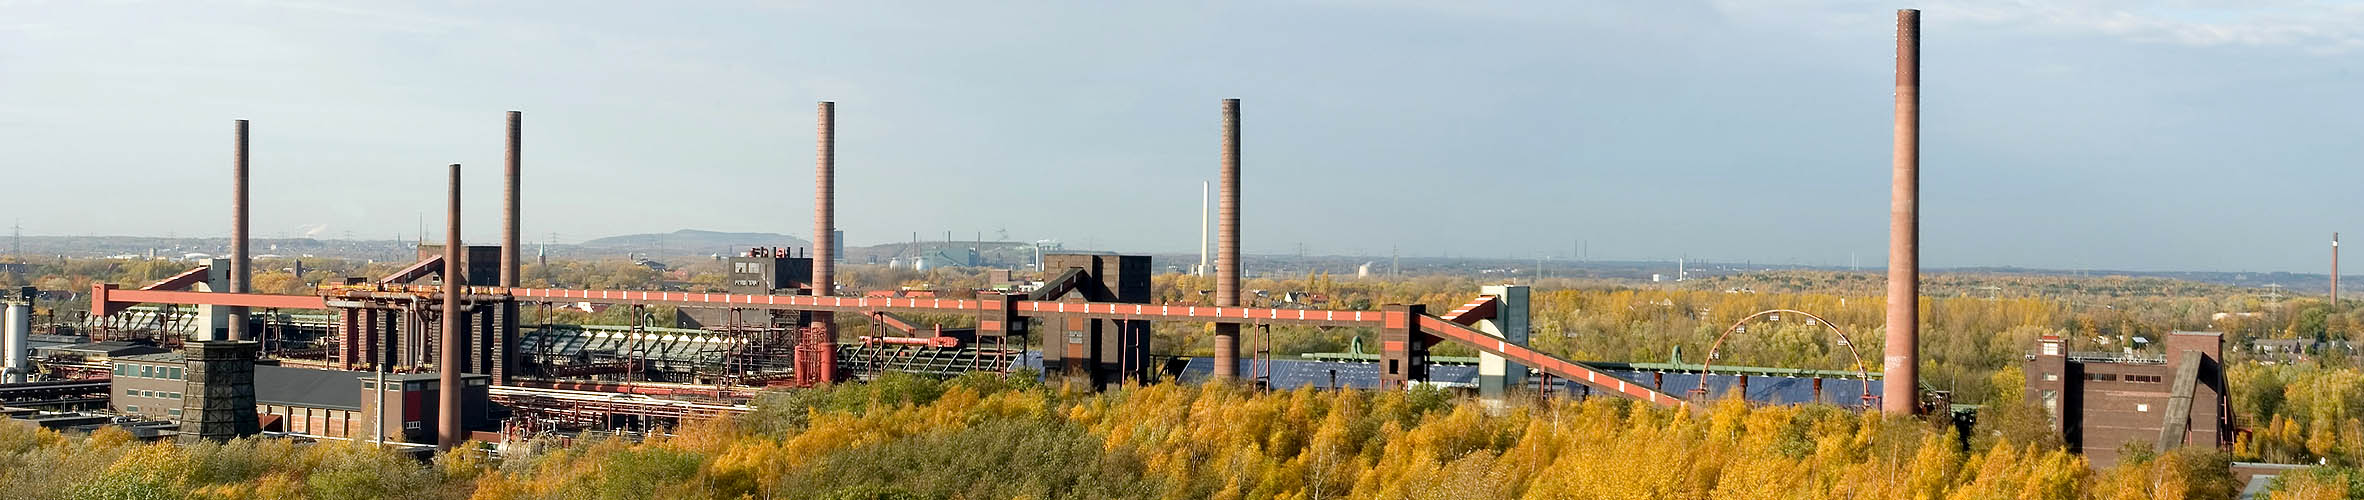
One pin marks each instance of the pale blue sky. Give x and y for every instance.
(2190, 135)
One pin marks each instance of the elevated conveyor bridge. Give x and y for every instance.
(1407, 331)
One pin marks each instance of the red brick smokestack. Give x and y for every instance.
(510, 258)
(825, 212)
(1900, 394)
(1227, 262)
(241, 271)
(448, 433)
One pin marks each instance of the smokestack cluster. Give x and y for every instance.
(510, 258)
(1900, 392)
(240, 260)
(1227, 246)
(448, 432)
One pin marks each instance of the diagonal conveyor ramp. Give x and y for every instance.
(1464, 335)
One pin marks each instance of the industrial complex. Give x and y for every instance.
(442, 353)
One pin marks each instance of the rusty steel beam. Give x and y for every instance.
(1227, 262)
(241, 270)
(181, 281)
(1900, 390)
(1546, 363)
(448, 432)
(106, 299)
(510, 258)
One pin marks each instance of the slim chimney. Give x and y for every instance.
(240, 265)
(510, 256)
(1227, 247)
(448, 432)
(825, 213)
(1900, 392)
(2334, 271)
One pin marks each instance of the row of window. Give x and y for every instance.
(371, 385)
(2112, 377)
(175, 412)
(148, 371)
(153, 394)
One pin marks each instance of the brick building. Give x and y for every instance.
(304, 401)
(2102, 402)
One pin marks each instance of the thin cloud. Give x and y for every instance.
(2311, 27)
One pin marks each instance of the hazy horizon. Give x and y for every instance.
(2202, 136)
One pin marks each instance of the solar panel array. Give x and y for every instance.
(1291, 374)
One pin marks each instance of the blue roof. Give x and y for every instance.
(1291, 374)
(1761, 388)
(1295, 373)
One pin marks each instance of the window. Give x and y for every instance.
(478, 382)
(173, 373)
(119, 369)
(2146, 379)
(175, 412)
(368, 385)
(2051, 348)
(172, 395)
(147, 371)
(2102, 377)
(2051, 377)
(2142, 407)
(131, 409)
(411, 425)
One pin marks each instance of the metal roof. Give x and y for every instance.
(308, 387)
(109, 348)
(1291, 374)
(318, 388)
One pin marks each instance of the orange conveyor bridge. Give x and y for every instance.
(1406, 331)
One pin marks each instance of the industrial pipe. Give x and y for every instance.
(825, 213)
(940, 342)
(240, 271)
(1227, 262)
(510, 258)
(1900, 389)
(448, 432)
(825, 201)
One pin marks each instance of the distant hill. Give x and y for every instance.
(693, 242)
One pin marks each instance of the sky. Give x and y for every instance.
(2073, 134)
